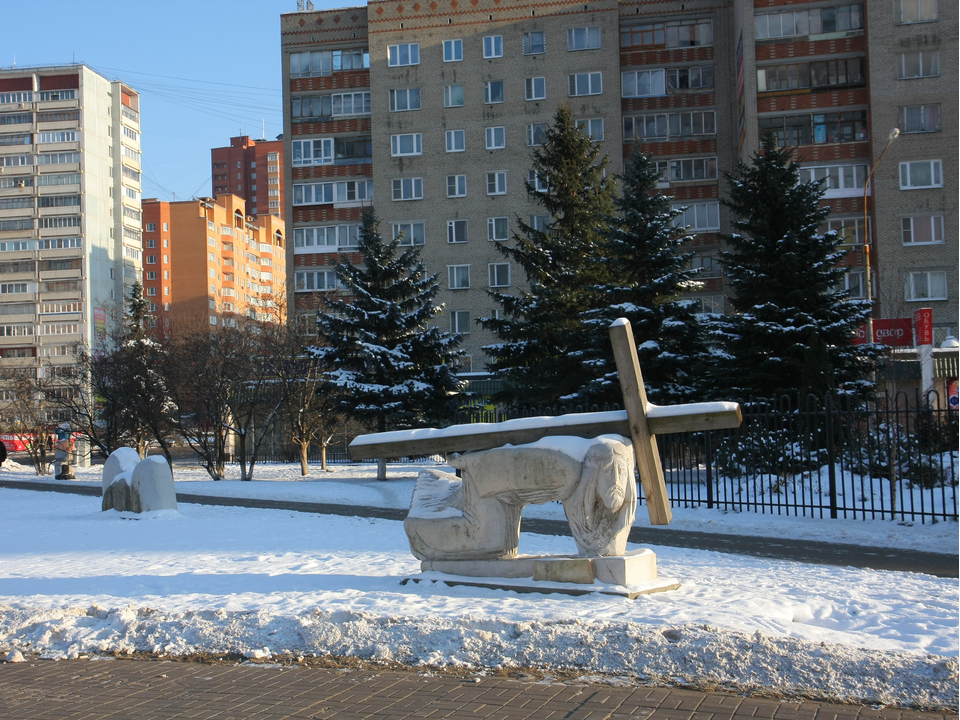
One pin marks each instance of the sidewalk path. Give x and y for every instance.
(821, 553)
(150, 690)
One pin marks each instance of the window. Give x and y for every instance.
(536, 134)
(689, 33)
(912, 11)
(351, 149)
(497, 228)
(840, 18)
(493, 92)
(699, 216)
(347, 104)
(10, 140)
(315, 280)
(404, 99)
(587, 38)
(457, 231)
(6, 288)
(151, 275)
(407, 54)
(57, 137)
(453, 96)
(499, 274)
(706, 262)
(151, 259)
(325, 238)
(691, 77)
(817, 129)
(533, 43)
(920, 174)
(460, 322)
(330, 192)
(586, 84)
(409, 233)
(496, 138)
(459, 276)
(641, 35)
(493, 46)
(312, 152)
(838, 180)
(536, 88)
(406, 144)
(456, 141)
(643, 83)
(694, 169)
(325, 106)
(452, 50)
(408, 189)
(151, 291)
(325, 62)
(925, 285)
(918, 64)
(710, 304)
(919, 118)
(538, 183)
(922, 230)
(456, 186)
(497, 183)
(593, 128)
(653, 127)
(816, 74)
(539, 222)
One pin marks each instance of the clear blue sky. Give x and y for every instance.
(206, 71)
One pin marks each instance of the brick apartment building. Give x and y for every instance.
(206, 261)
(429, 111)
(252, 169)
(70, 240)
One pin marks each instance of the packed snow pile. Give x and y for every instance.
(77, 581)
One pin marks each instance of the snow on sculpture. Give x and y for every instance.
(134, 485)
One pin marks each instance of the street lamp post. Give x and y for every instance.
(894, 134)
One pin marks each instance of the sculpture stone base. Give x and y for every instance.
(630, 575)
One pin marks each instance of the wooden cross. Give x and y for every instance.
(641, 420)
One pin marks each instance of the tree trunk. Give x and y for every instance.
(323, 456)
(381, 469)
(304, 455)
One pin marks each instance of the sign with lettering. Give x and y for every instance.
(923, 326)
(895, 332)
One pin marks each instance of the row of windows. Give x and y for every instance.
(326, 62)
(673, 34)
(663, 125)
(330, 192)
(45, 159)
(818, 129)
(311, 107)
(42, 96)
(840, 18)
(814, 74)
(585, 38)
(495, 138)
(45, 244)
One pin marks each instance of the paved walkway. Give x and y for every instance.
(150, 690)
(822, 553)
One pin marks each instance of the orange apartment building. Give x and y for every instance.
(207, 260)
(252, 169)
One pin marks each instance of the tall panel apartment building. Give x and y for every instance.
(432, 111)
(207, 261)
(70, 239)
(253, 170)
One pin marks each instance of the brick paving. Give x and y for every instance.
(151, 690)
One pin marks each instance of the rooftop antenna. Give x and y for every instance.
(309, 5)
(299, 5)
(263, 129)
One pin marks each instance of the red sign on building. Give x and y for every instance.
(896, 332)
(923, 326)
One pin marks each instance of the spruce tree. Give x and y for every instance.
(647, 261)
(390, 366)
(541, 334)
(786, 279)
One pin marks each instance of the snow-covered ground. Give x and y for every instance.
(75, 580)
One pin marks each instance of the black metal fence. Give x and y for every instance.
(878, 457)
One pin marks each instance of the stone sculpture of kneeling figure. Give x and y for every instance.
(478, 516)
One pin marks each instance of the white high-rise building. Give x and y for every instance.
(70, 218)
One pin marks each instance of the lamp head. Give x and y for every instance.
(894, 134)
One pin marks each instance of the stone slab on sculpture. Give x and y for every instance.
(144, 487)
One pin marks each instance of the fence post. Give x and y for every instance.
(831, 459)
(708, 459)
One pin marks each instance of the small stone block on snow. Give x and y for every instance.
(635, 566)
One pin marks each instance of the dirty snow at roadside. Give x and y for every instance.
(74, 580)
